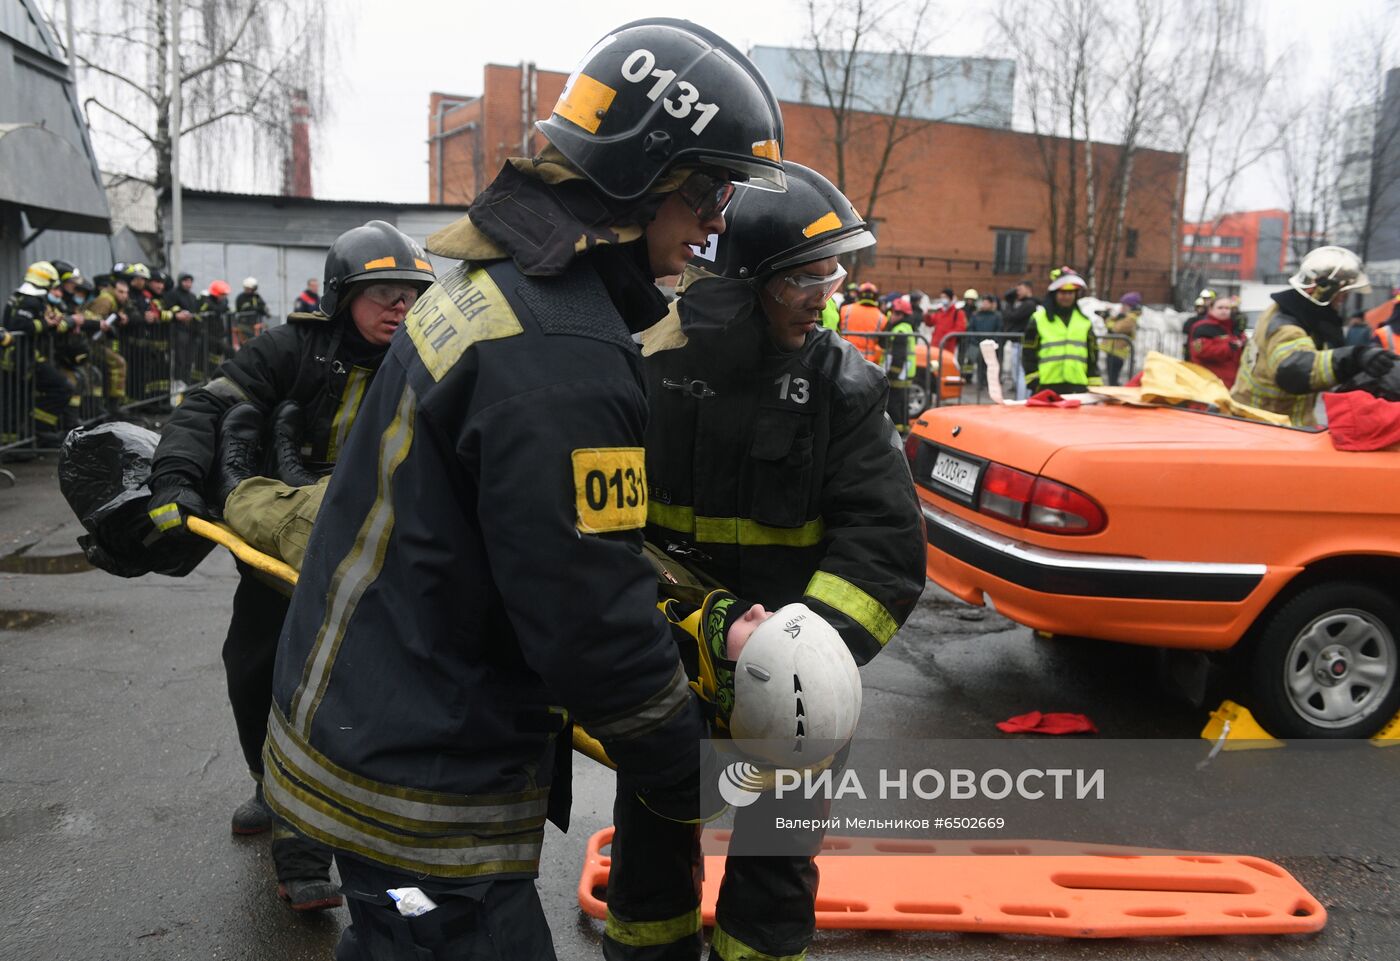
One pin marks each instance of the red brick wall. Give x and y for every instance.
(948, 187)
(946, 191)
(498, 135)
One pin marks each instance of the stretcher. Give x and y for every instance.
(225, 536)
(1069, 891)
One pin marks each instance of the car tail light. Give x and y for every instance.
(912, 443)
(1006, 493)
(1063, 510)
(1038, 502)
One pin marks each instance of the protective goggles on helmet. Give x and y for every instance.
(705, 194)
(389, 296)
(805, 291)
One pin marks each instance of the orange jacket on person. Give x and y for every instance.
(861, 317)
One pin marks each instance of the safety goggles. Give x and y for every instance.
(389, 296)
(706, 195)
(805, 291)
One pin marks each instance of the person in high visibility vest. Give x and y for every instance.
(861, 317)
(899, 362)
(1060, 352)
(831, 315)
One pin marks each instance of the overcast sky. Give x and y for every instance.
(392, 54)
(374, 146)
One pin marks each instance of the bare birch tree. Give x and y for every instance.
(868, 65)
(239, 64)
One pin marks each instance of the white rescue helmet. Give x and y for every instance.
(796, 687)
(250, 283)
(1328, 271)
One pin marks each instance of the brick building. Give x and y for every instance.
(962, 206)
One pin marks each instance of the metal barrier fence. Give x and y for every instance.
(922, 387)
(970, 359)
(967, 359)
(54, 382)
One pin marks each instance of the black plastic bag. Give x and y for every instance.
(102, 473)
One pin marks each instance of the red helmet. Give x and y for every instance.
(219, 288)
(902, 305)
(868, 289)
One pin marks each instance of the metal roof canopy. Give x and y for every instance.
(50, 179)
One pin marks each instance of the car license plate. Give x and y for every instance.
(956, 473)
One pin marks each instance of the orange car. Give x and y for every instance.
(1180, 529)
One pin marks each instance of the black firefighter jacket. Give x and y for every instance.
(476, 573)
(321, 363)
(780, 476)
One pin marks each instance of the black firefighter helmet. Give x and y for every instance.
(768, 232)
(661, 93)
(375, 252)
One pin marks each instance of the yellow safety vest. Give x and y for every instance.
(1064, 348)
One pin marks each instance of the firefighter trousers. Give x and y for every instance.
(767, 903)
(250, 651)
(497, 920)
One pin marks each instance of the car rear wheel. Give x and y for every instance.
(1327, 664)
(918, 399)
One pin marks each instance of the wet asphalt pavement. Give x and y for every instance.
(120, 768)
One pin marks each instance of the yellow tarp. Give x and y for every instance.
(1172, 382)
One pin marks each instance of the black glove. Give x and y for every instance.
(1376, 361)
(175, 497)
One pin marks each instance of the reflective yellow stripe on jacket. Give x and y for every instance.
(733, 530)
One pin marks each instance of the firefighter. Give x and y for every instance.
(774, 470)
(1298, 348)
(1060, 351)
(218, 328)
(185, 334)
(36, 309)
(900, 361)
(250, 314)
(487, 585)
(323, 363)
(861, 316)
(107, 314)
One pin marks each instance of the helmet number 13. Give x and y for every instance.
(640, 65)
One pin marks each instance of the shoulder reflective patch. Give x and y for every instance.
(823, 224)
(610, 488)
(586, 102)
(461, 309)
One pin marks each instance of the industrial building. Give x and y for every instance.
(51, 200)
(965, 198)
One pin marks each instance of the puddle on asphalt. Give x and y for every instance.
(21, 563)
(23, 620)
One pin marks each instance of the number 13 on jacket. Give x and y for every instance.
(610, 489)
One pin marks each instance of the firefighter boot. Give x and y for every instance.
(240, 450)
(303, 871)
(252, 816)
(288, 426)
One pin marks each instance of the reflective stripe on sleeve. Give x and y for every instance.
(227, 389)
(842, 595)
(648, 716)
(165, 517)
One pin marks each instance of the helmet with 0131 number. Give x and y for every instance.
(657, 94)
